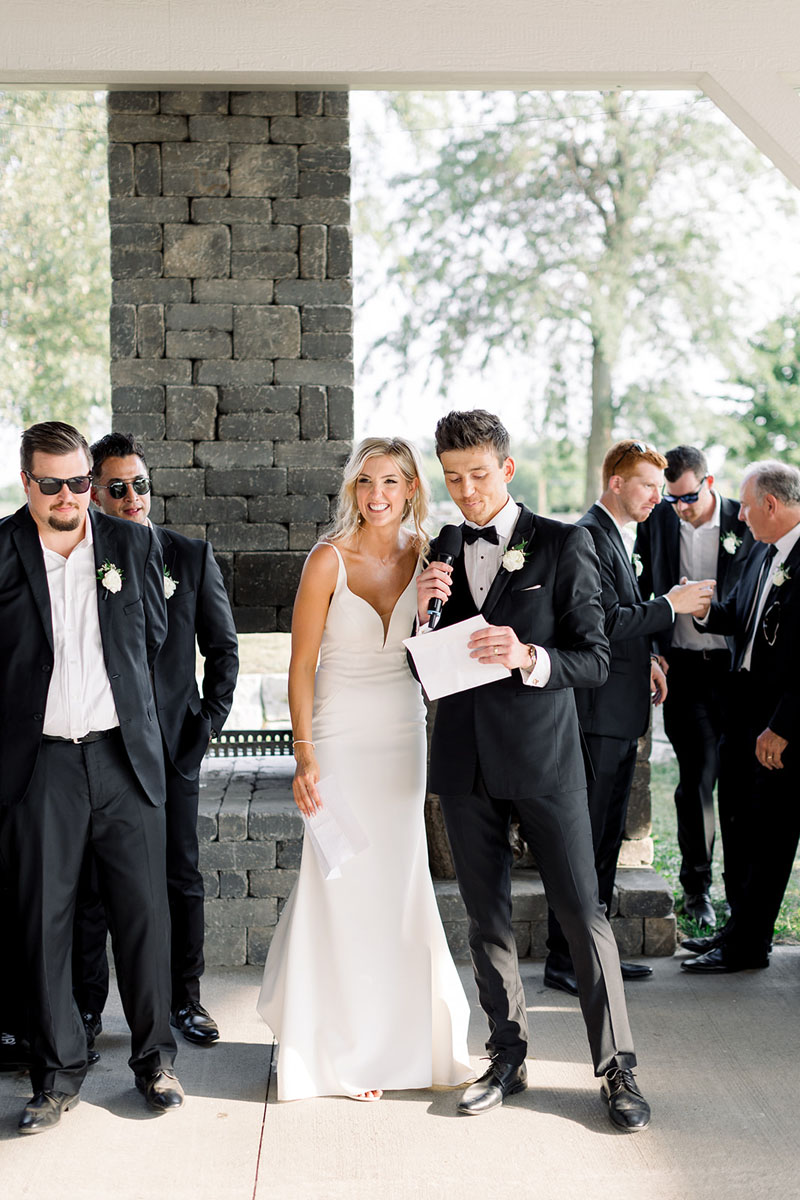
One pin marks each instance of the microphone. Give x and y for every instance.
(450, 540)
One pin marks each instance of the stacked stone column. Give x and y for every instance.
(231, 324)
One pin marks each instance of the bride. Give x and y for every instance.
(359, 987)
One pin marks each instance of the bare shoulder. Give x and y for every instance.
(322, 566)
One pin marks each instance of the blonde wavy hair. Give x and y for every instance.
(348, 520)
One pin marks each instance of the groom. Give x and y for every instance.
(516, 742)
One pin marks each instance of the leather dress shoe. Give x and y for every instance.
(501, 1080)
(715, 962)
(635, 970)
(700, 909)
(14, 1052)
(44, 1111)
(161, 1090)
(195, 1024)
(699, 945)
(627, 1107)
(93, 1024)
(565, 981)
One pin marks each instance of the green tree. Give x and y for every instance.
(55, 287)
(770, 394)
(577, 229)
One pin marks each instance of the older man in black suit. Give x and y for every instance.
(694, 533)
(197, 609)
(614, 716)
(759, 779)
(82, 617)
(515, 742)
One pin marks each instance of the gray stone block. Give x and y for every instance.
(313, 413)
(540, 931)
(266, 331)
(238, 856)
(250, 265)
(328, 345)
(275, 818)
(207, 812)
(660, 936)
(199, 343)
(282, 239)
(210, 884)
(264, 104)
(234, 291)
(258, 481)
(233, 885)
(147, 169)
(135, 264)
(312, 454)
(643, 893)
(233, 813)
(120, 169)
(264, 580)
(263, 171)
(232, 210)
(337, 104)
(302, 131)
(145, 426)
(448, 899)
(256, 620)
(135, 372)
(194, 102)
(151, 291)
(260, 399)
(457, 934)
(289, 509)
(138, 400)
(310, 104)
(272, 883)
(170, 454)
(258, 426)
(150, 331)
(242, 537)
(312, 291)
(324, 158)
(245, 373)
(199, 316)
(313, 251)
(191, 412)
(302, 536)
(132, 102)
(225, 946)
(629, 935)
(340, 252)
(289, 854)
(224, 456)
(228, 129)
(307, 480)
(142, 128)
(323, 183)
(327, 318)
(197, 250)
(143, 209)
(122, 328)
(340, 413)
(136, 237)
(180, 511)
(176, 481)
(326, 372)
(522, 937)
(198, 532)
(194, 169)
(259, 940)
(314, 210)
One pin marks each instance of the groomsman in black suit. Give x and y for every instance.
(197, 609)
(759, 778)
(515, 743)
(696, 533)
(82, 617)
(614, 716)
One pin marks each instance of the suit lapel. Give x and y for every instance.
(612, 529)
(29, 548)
(106, 549)
(523, 532)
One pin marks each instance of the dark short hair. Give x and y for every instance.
(51, 437)
(465, 430)
(685, 458)
(115, 445)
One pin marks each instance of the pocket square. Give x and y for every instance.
(532, 588)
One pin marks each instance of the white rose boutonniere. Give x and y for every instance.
(514, 558)
(170, 584)
(780, 575)
(638, 565)
(111, 577)
(730, 542)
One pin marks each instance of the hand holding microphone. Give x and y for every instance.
(433, 585)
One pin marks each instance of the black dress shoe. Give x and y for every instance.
(717, 962)
(559, 980)
(195, 1024)
(700, 909)
(627, 1107)
(92, 1057)
(93, 1024)
(14, 1053)
(44, 1111)
(161, 1090)
(635, 970)
(501, 1080)
(699, 945)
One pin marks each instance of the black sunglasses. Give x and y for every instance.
(687, 497)
(50, 486)
(118, 488)
(639, 447)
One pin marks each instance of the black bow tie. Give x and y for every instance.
(487, 532)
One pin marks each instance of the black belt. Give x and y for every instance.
(94, 736)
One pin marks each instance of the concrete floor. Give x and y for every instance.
(720, 1064)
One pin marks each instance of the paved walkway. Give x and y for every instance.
(720, 1064)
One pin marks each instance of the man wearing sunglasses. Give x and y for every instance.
(759, 778)
(82, 617)
(694, 533)
(198, 610)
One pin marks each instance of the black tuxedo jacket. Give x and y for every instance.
(621, 707)
(198, 608)
(526, 740)
(658, 541)
(773, 697)
(133, 624)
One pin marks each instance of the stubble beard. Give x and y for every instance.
(65, 524)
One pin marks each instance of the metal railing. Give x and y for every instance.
(234, 743)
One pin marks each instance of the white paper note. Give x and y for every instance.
(334, 831)
(443, 660)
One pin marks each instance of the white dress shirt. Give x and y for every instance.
(699, 551)
(80, 699)
(482, 562)
(784, 547)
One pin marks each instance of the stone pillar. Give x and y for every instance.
(231, 323)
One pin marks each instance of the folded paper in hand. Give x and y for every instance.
(334, 831)
(443, 662)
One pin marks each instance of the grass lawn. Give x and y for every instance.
(664, 777)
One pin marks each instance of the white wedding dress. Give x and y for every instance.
(359, 987)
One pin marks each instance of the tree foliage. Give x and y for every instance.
(55, 285)
(770, 394)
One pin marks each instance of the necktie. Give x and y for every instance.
(487, 532)
(764, 575)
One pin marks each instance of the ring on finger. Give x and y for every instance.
(497, 649)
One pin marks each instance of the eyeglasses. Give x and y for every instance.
(770, 622)
(118, 488)
(50, 486)
(639, 447)
(687, 497)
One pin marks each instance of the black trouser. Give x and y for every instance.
(83, 795)
(693, 720)
(557, 830)
(614, 761)
(185, 897)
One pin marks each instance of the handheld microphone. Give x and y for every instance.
(450, 540)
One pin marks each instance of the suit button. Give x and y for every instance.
(38, 716)
(46, 668)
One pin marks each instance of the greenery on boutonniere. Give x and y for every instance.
(780, 575)
(730, 542)
(170, 584)
(515, 557)
(111, 577)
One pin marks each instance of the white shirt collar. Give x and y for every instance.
(786, 544)
(86, 540)
(503, 521)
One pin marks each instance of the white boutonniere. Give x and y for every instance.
(111, 576)
(638, 565)
(170, 584)
(730, 542)
(780, 575)
(514, 557)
